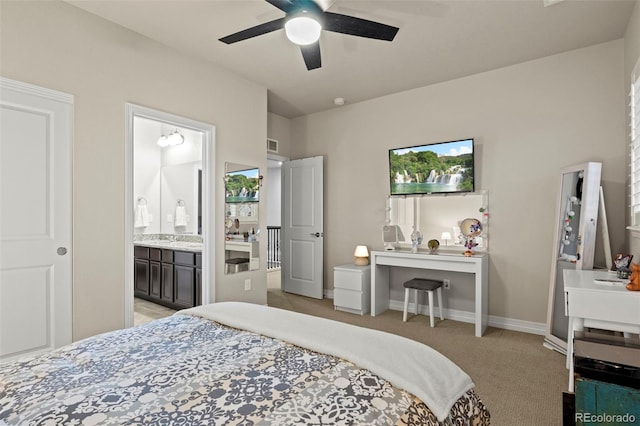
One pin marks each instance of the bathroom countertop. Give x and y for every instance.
(172, 245)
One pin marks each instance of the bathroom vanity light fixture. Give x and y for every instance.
(174, 138)
(361, 256)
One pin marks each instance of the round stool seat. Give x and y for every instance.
(423, 284)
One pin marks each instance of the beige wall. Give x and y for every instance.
(529, 121)
(279, 128)
(58, 46)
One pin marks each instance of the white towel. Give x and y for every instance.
(181, 216)
(141, 216)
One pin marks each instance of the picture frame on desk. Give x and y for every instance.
(621, 261)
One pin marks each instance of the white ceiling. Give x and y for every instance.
(438, 40)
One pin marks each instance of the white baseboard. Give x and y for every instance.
(466, 316)
(530, 327)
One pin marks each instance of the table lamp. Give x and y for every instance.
(361, 256)
(446, 236)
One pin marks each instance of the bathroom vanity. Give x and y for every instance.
(168, 273)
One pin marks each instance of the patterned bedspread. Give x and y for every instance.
(186, 370)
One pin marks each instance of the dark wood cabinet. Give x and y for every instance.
(154, 278)
(167, 282)
(167, 277)
(184, 286)
(141, 277)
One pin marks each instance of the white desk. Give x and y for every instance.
(251, 247)
(603, 306)
(382, 260)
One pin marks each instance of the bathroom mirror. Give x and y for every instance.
(242, 227)
(574, 241)
(180, 196)
(167, 181)
(435, 215)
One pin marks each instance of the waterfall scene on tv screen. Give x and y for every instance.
(242, 186)
(428, 169)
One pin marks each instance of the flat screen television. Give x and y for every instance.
(242, 186)
(445, 167)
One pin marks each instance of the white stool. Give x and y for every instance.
(426, 285)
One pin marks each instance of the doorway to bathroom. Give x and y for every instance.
(169, 221)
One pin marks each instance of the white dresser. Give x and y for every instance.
(352, 288)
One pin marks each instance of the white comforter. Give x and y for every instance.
(408, 364)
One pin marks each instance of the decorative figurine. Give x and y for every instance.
(433, 245)
(634, 279)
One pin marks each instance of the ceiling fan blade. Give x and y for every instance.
(286, 6)
(292, 6)
(358, 27)
(311, 55)
(267, 27)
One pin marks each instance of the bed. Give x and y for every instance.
(244, 364)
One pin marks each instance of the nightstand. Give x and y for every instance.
(352, 288)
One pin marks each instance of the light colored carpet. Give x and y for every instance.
(519, 380)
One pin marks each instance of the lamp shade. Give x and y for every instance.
(361, 256)
(446, 236)
(303, 30)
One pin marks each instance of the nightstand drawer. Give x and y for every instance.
(348, 299)
(347, 280)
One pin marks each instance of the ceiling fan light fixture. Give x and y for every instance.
(303, 29)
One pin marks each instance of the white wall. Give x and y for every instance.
(58, 46)
(529, 121)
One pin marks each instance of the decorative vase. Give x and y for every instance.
(416, 240)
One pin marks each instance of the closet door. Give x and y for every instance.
(35, 224)
(574, 241)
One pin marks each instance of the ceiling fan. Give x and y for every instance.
(305, 20)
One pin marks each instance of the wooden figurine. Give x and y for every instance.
(634, 279)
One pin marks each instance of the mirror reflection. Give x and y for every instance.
(242, 228)
(440, 218)
(167, 180)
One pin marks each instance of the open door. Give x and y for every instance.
(302, 224)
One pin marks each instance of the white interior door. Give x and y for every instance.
(302, 235)
(35, 219)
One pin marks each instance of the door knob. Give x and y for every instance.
(316, 234)
(62, 251)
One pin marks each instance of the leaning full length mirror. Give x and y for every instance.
(574, 242)
(242, 228)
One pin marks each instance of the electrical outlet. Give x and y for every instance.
(247, 284)
(446, 284)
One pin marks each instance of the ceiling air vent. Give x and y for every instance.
(272, 145)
